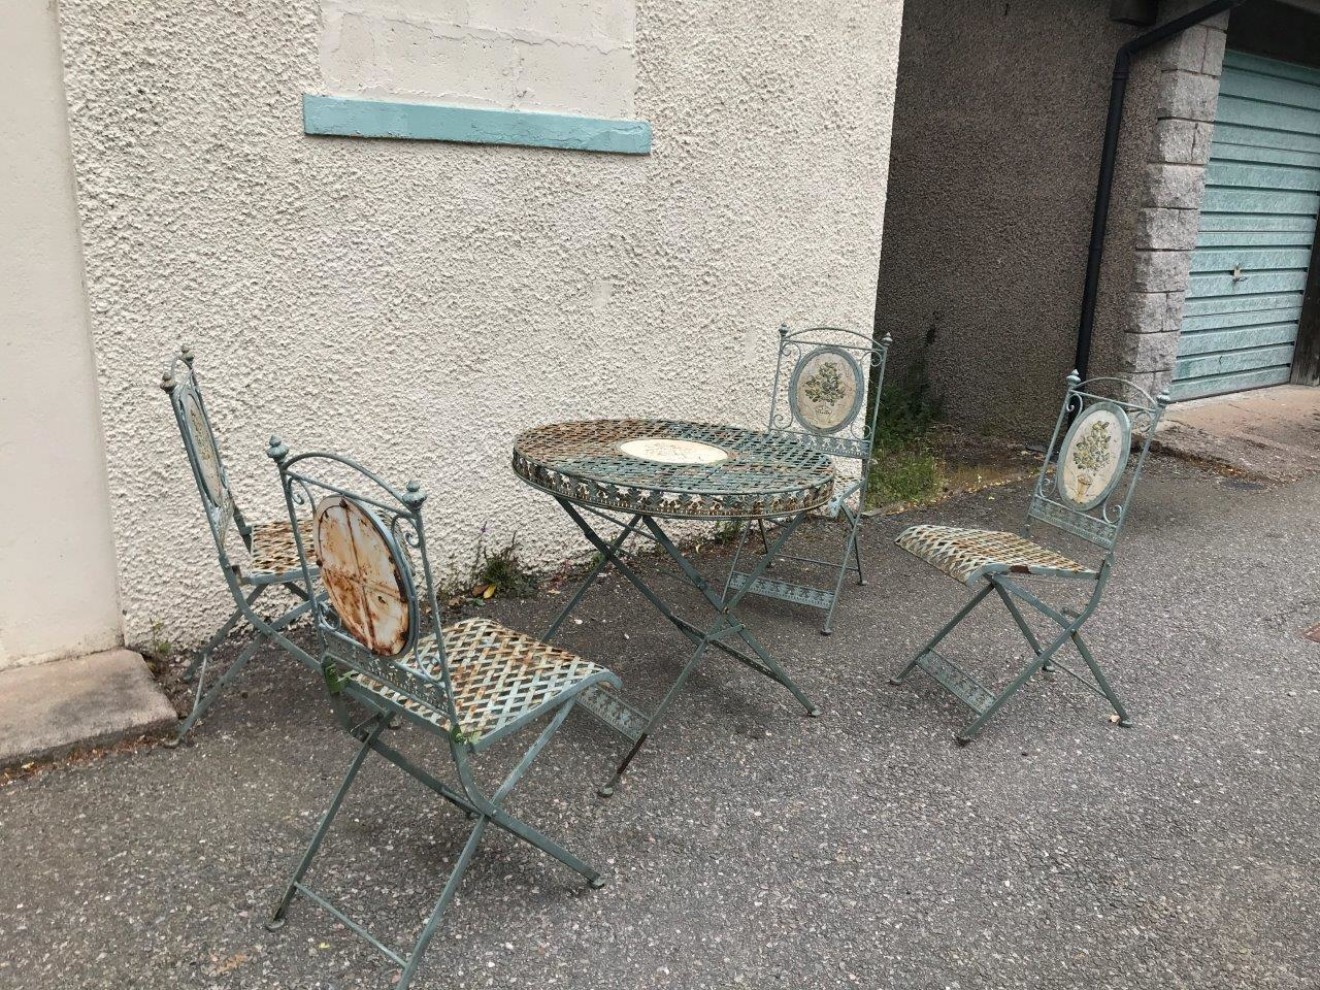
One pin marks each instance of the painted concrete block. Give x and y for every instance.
(598, 22)
(421, 61)
(574, 79)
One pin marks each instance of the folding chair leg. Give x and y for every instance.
(203, 653)
(205, 701)
(948, 628)
(848, 551)
(1021, 620)
(1123, 720)
(277, 918)
(446, 896)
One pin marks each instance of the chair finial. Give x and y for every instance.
(887, 339)
(1074, 379)
(186, 352)
(278, 450)
(413, 495)
(1164, 398)
(167, 381)
(783, 329)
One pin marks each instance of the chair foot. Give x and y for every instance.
(827, 632)
(895, 680)
(813, 713)
(1125, 723)
(861, 581)
(963, 741)
(606, 791)
(596, 883)
(274, 924)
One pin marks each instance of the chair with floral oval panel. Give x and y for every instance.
(472, 684)
(1084, 489)
(254, 558)
(819, 398)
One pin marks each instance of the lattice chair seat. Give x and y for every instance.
(971, 554)
(498, 676)
(274, 552)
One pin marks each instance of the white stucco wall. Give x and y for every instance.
(418, 304)
(58, 593)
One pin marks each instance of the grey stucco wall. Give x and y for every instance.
(417, 304)
(997, 135)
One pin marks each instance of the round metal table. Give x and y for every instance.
(673, 469)
(632, 473)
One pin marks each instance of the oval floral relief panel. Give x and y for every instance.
(1093, 455)
(364, 576)
(203, 442)
(826, 390)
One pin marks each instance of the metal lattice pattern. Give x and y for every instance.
(763, 474)
(970, 554)
(497, 675)
(274, 551)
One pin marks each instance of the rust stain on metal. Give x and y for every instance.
(362, 576)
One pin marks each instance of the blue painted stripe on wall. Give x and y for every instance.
(352, 117)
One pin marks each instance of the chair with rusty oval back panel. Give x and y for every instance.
(254, 558)
(1084, 489)
(473, 683)
(819, 398)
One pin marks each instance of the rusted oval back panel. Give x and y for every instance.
(363, 575)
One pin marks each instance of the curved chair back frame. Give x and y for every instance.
(1086, 483)
(381, 616)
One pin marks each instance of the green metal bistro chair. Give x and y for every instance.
(819, 398)
(1084, 488)
(253, 557)
(473, 684)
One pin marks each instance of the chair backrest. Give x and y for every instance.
(1086, 483)
(819, 394)
(381, 614)
(181, 384)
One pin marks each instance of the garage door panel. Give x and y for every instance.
(1283, 202)
(1251, 258)
(1232, 308)
(1237, 339)
(1267, 177)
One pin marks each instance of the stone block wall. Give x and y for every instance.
(1171, 189)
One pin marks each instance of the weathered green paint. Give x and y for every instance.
(352, 117)
(1258, 225)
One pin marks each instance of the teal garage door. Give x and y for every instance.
(1258, 223)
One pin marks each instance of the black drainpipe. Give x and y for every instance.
(1109, 157)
